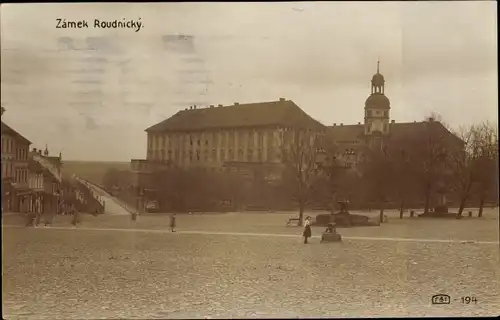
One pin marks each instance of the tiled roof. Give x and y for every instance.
(345, 132)
(275, 113)
(408, 130)
(398, 131)
(54, 160)
(8, 130)
(35, 166)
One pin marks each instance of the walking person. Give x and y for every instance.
(307, 229)
(172, 222)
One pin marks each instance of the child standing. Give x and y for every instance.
(307, 230)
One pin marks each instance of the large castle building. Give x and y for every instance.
(225, 138)
(242, 137)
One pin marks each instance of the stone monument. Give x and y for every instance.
(330, 234)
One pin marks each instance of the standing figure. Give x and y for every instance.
(76, 216)
(38, 217)
(172, 222)
(307, 229)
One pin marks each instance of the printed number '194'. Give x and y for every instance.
(468, 300)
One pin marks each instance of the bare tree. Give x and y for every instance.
(377, 173)
(428, 155)
(486, 163)
(462, 164)
(300, 153)
(390, 175)
(473, 166)
(332, 170)
(403, 176)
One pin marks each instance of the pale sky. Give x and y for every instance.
(91, 93)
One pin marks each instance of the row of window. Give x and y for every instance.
(214, 139)
(22, 154)
(37, 182)
(212, 156)
(8, 146)
(21, 176)
(7, 169)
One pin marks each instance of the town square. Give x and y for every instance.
(314, 160)
(248, 265)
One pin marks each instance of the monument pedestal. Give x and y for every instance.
(331, 237)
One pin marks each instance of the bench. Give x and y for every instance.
(292, 220)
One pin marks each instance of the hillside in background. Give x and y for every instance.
(93, 171)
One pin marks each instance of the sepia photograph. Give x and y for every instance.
(235, 160)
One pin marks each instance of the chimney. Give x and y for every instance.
(39, 151)
(282, 99)
(211, 106)
(334, 124)
(220, 105)
(431, 119)
(359, 122)
(194, 107)
(236, 103)
(393, 121)
(190, 107)
(341, 124)
(414, 121)
(34, 150)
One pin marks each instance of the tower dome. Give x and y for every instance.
(377, 101)
(378, 79)
(377, 107)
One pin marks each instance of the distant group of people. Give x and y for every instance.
(34, 218)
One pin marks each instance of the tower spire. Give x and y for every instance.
(378, 64)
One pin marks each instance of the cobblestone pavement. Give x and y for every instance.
(75, 274)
